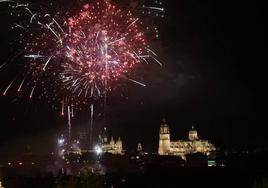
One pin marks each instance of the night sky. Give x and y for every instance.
(210, 51)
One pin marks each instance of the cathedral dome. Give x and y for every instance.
(193, 134)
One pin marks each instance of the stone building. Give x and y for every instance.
(182, 147)
(113, 147)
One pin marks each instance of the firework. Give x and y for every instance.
(75, 56)
(102, 46)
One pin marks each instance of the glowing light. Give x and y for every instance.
(61, 141)
(1, 185)
(98, 150)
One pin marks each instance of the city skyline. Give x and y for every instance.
(131, 93)
(205, 80)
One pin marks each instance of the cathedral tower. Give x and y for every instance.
(139, 148)
(193, 136)
(164, 139)
(119, 145)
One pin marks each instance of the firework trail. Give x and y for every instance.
(91, 125)
(69, 123)
(139, 83)
(31, 95)
(6, 90)
(21, 84)
(8, 1)
(155, 8)
(62, 108)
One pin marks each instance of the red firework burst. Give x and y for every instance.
(103, 44)
(72, 57)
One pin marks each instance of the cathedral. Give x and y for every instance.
(182, 147)
(113, 147)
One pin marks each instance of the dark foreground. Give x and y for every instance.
(248, 171)
(151, 177)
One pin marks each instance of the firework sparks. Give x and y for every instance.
(85, 53)
(106, 52)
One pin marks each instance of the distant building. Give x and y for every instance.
(182, 147)
(139, 148)
(113, 147)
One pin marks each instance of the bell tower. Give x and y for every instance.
(164, 139)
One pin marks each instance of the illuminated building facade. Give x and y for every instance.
(113, 147)
(182, 147)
